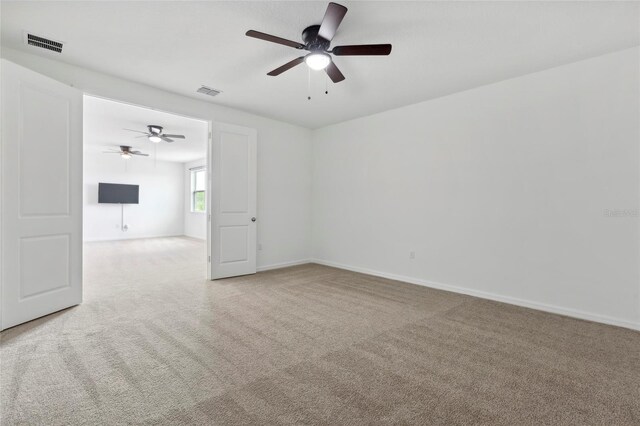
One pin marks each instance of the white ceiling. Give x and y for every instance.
(438, 47)
(105, 121)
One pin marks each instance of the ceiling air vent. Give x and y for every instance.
(44, 43)
(208, 91)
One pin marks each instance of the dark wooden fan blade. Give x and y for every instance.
(137, 131)
(173, 136)
(112, 152)
(331, 21)
(166, 139)
(274, 39)
(334, 73)
(139, 153)
(362, 49)
(286, 66)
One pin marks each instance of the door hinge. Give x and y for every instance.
(209, 259)
(209, 218)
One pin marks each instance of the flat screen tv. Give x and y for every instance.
(116, 193)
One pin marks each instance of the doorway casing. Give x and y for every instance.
(13, 282)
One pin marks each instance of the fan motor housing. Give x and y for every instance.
(312, 40)
(153, 129)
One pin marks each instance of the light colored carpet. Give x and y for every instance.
(155, 343)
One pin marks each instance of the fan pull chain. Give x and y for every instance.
(308, 83)
(155, 155)
(326, 83)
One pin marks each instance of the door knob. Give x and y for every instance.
(253, 219)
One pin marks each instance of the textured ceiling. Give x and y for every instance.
(438, 47)
(105, 121)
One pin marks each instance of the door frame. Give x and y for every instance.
(210, 125)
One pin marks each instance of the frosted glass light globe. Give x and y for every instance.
(317, 61)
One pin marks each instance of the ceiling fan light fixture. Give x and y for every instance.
(317, 61)
(317, 40)
(154, 138)
(125, 155)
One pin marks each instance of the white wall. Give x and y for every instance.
(161, 209)
(195, 224)
(284, 152)
(500, 191)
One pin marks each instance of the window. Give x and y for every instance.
(198, 184)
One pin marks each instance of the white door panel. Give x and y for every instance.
(233, 201)
(41, 189)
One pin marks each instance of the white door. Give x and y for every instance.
(232, 201)
(41, 188)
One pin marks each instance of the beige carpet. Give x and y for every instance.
(154, 343)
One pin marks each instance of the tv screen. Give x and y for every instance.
(116, 193)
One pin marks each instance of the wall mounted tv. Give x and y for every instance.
(116, 193)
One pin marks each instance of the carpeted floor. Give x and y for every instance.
(155, 343)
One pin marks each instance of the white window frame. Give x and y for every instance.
(192, 194)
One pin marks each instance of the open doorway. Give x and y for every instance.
(55, 184)
(144, 192)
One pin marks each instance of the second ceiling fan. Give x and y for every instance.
(155, 134)
(317, 40)
(125, 152)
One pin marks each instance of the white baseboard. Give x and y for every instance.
(283, 265)
(489, 296)
(194, 238)
(134, 237)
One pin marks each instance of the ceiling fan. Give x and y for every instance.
(317, 39)
(155, 134)
(125, 152)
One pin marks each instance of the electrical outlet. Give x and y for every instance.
(412, 255)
